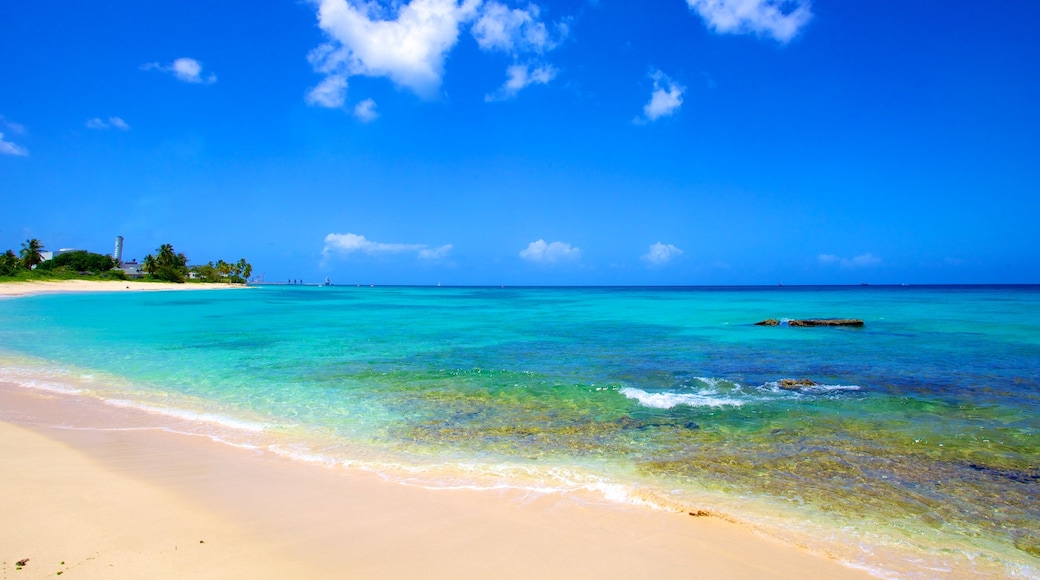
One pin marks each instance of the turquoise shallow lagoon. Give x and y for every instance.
(917, 453)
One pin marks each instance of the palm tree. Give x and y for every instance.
(224, 269)
(245, 268)
(30, 253)
(9, 263)
(166, 256)
(149, 264)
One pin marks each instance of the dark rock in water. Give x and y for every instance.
(795, 384)
(827, 322)
(1030, 476)
(812, 322)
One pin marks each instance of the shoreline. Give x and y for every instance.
(36, 287)
(270, 513)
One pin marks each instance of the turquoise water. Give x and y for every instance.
(916, 454)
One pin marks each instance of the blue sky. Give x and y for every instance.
(551, 142)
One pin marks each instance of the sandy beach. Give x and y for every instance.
(88, 490)
(14, 289)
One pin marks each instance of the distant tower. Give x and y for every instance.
(117, 255)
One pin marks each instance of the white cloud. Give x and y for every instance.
(519, 76)
(410, 49)
(346, 244)
(331, 92)
(660, 254)
(860, 261)
(539, 251)
(112, 123)
(185, 69)
(16, 128)
(408, 42)
(366, 111)
(517, 31)
(435, 253)
(664, 100)
(780, 19)
(9, 148)
(512, 30)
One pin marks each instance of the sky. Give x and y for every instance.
(553, 142)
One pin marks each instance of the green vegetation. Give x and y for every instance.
(79, 261)
(9, 263)
(30, 253)
(166, 265)
(222, 271)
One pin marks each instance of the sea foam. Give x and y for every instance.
(669, 400)
(195, 416)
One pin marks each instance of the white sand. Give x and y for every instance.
(13, 289)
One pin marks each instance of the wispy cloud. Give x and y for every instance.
(860, 261)
(514, 30)
(184, 69)
(665, 99)
(348, 243)
(519, 76)
(9, 148)
(330, 93)
(16, 128)
(779, 19)
(437, 253)
(111, 123)
(541, 252)
(518, 31)
(366, 111)
(660, 254)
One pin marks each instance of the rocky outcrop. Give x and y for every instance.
(795, 384)
(827, 322)
(811, 322)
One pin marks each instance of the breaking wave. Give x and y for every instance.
(716, 393)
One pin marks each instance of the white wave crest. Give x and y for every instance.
(775, 387)
(187, 415)
(50, 380)
(669, 400)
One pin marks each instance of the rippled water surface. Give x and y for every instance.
(920, 436)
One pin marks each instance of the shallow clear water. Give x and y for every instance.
(921, 437)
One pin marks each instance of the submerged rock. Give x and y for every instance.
(812, 322)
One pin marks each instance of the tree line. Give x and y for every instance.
(166, 265)
(30, 260)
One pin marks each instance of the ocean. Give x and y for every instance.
(915, 453)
